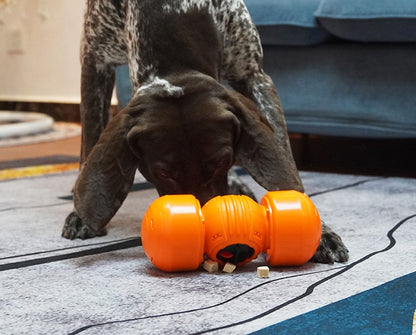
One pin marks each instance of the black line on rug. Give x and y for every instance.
(68, 248)
(131, 243)
(311, 288)
(142, 186)
(207, 307)
(308, 291)
(346, 186)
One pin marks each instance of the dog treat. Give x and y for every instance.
(229, 268)
(210, 265)
(263, 272)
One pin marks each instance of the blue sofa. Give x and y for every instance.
(341, 67)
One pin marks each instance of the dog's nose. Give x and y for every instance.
(203, 200)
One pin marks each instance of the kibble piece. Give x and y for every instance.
(229, 268)
(263, 272)
(210, 265)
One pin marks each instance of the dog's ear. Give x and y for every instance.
(258, 149)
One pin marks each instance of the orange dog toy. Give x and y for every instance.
(177, 232)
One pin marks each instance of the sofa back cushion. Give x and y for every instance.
(287, 22)
(369, 20)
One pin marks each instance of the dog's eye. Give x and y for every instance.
(219, 167)
(224, 163)
(163, 173)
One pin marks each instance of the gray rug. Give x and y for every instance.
(106, 285)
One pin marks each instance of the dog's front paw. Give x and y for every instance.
(331, 249)
(74, 227)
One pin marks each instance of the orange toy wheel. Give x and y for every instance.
(173, 233)
(294, 228)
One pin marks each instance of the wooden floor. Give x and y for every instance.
(67, 147)
(312, 153)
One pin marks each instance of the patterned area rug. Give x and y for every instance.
(106, 285)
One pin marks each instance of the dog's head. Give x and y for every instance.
(187, 133)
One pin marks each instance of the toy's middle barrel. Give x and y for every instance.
(235, 229)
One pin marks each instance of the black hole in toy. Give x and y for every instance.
(235, 253)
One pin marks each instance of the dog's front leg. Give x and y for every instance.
(259, 87)
(103, 183)
(331, 249)
(97, 83)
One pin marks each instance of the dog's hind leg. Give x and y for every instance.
(97, 83)
(242, 68)
(102, 48)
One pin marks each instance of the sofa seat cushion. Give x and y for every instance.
(369, 20)
(287, 22)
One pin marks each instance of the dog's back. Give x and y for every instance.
(178, 42)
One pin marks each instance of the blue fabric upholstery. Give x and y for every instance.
(287, 22)
(369, 20)
(123, 85)
(346, 89)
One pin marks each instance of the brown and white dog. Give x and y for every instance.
(182, 129)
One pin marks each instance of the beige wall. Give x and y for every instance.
(39, 50)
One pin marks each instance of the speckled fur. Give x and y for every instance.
(113, 33)
(200, 41)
